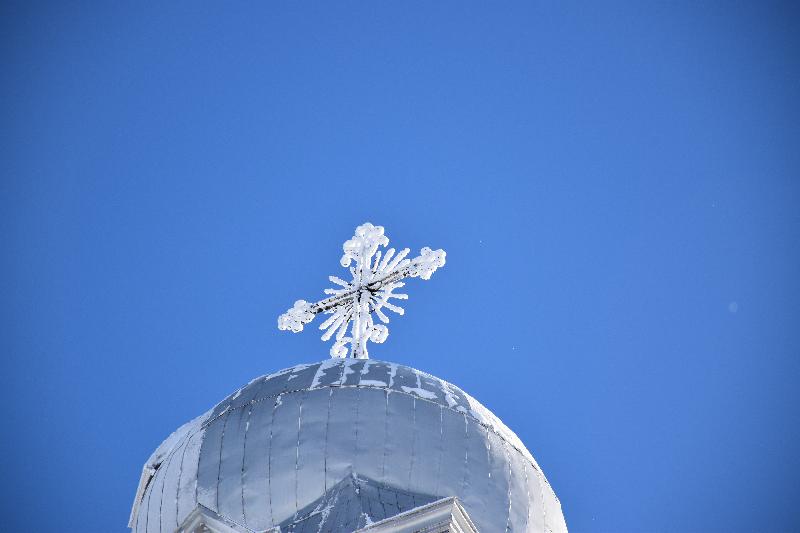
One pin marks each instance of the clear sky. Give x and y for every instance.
(616, 187)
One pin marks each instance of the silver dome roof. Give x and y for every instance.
(333, 446)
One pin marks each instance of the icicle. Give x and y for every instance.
(338, 281)
(392, 266)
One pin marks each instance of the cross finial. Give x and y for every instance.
(374, 280)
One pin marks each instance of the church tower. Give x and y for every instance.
(347, 444)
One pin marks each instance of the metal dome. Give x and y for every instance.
(336, 445)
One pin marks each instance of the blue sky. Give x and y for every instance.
(616, 187)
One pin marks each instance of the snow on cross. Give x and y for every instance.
(375, 276)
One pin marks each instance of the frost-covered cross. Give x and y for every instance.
(375, 276)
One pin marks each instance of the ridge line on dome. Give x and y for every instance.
(163, 485)
(184, 445)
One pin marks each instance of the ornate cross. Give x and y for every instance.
(374, 280)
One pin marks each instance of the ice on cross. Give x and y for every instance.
(351, 305)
